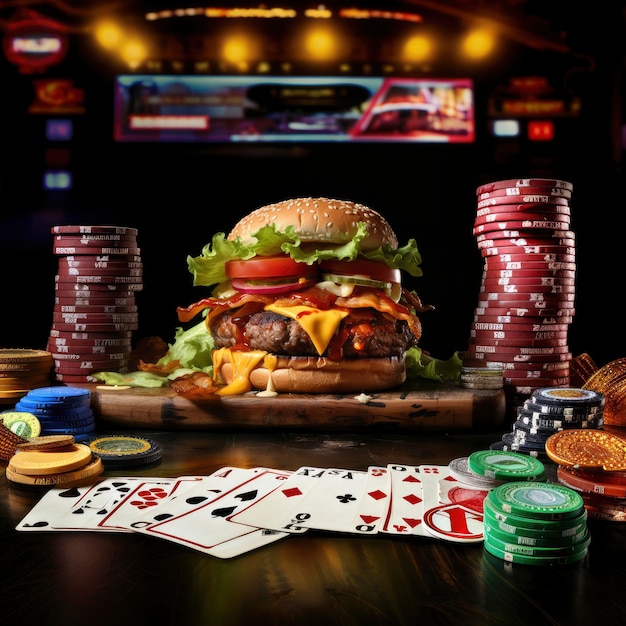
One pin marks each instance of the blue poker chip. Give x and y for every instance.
(125, 450)
(67, 397)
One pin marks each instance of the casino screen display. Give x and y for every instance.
(228, 109)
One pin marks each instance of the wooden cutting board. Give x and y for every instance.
(414, 407)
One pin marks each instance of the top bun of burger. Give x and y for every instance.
(319, 220)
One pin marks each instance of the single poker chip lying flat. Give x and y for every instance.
(46, 442)
(600, 482)
(506, 466)
(45, 462)
(125, 451)
(459, 469)
(587, 449)
(567, 396)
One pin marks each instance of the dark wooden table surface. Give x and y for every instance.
(321, 578)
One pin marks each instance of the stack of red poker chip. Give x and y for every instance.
(527, 293)
(95, 312)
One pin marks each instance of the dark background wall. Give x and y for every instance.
(179, 195)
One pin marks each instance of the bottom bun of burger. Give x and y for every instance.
(297, 374)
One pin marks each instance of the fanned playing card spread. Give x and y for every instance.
(235, 510)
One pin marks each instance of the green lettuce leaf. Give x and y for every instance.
(422, 365)
(209, 267)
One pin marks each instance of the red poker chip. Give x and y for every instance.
(92, 328)
(561, 238)
(520, 225)
(517, 340)
(97, 239)
(513, 322)
(551, 367)
(537, 382)
(72, 379)
(531, 351)
(525, 182)
(502, 217)
(97, 289)
(548, 252)
(96, 275)
(94, 308)
(542, 300)
(522, 291)
(66, 372)
(101, 258)
(130, 283)
(526, 236)
(543, 198)
(66, 262)
(84, 335)
(543, 281)
(95, 318)
(90, 342)
(97, 357)
(522, 209)
(106, 302)
(64, 250)
(492, 308)
(497, 246)
(525, 191)
(80, 229)
(89, 361)
(508, 316)
(520, 372)
(78, 351)
(519, 326)
(512, 356)
(527, 273)
(610, 484)
(528, 263)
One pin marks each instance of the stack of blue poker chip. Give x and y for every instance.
(61, 410)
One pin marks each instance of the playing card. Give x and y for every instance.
(276, 509)
(406, 510)
(53, 503)
(375, 502)
(195, 495)
(206, 526)
(143, 497)
(334, 501)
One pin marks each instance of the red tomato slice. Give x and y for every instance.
(268, 267)
(364, 267)
(295, 283)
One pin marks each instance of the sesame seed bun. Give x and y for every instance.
(319, 220)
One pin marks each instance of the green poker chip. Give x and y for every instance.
(537, 500)
(533, 559)
(519, 537)
(506, 465)
(533, 528)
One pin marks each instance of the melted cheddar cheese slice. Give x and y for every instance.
(319, 325)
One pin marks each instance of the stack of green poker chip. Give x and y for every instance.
(535, 523)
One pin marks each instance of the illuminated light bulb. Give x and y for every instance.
(108, 34)
(320, 44)
(478, 44)
(134, 53)
(236, 50)
(417, 48)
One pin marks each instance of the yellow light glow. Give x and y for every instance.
(417, 48)
(134, 52)
(236, 50)
(320, 44)
(478, 44)
(108, 34)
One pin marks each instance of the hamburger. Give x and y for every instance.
(307, 297)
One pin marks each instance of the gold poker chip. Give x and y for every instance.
(46, 462)
(587, 448)
(46, 442)
(82, 476)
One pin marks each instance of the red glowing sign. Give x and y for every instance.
(541, 130)
(34, 42)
